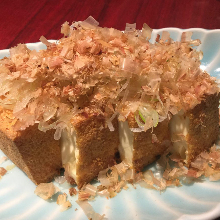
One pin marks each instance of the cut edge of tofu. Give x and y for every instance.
(126, 139)
(69, 151)
(179, 129)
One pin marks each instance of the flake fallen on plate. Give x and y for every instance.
(10, 167)
(89, 211)
(92, 190)
(63, 202)
(112, 193)
(46, 190)
(125, 187)
(72, 191)
(114, 179)
(119, 186)
(3, 159)
(104, 192)
(83, 195)
(3, 171)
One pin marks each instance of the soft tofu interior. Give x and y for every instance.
(69, 151)
(126, 139)
(179, 127)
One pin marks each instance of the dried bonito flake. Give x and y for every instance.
(46, 190)
(72, 191)
(88, 192)
(3, 159)
(63, 202)
(3, 171)
(10, 167)
(208, 164)
(93, 67)
(89, 211)
(82, 195)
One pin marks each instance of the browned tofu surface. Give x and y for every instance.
(203, 126)
(97, 146)
(144, 150)
(33, 151)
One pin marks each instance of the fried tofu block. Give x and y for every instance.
(88, 147)
(142, 148)
(33, 151)
(195, 130)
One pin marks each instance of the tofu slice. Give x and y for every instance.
(196, 130)
(137, 148)
(88, 147)
(33, 151)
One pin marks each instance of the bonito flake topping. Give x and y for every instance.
(103, 70)
(63, 202)
(46, 190)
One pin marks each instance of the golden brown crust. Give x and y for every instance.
(33, 151)
(97, 146)
(144, 151)
(203, 127)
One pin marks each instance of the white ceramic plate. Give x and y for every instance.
(198, 201)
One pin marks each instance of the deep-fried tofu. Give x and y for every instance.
(195, 130)
(88, 147)
(142, 148)
(33, 151)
